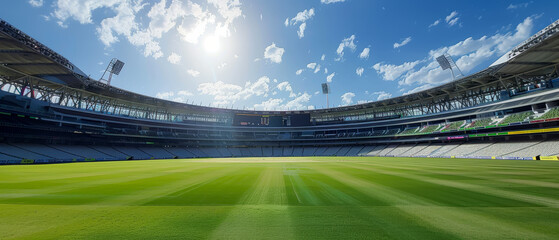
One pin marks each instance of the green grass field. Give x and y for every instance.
(287, 198)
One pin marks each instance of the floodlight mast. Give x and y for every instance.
(446, 62)
(114, 67)
(326, 90)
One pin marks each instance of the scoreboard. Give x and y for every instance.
(259, 120)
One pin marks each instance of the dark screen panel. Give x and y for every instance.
(255, 120)
(300, 120)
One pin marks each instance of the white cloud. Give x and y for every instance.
(270, 104)
(323, 57)
(222, 92)
(219, 88)
(520, 5)
(303, 16)
(330, 77)
(365, 53)
(78, 10)
(325, 70)
(301, 31)
(419, 89)
(229, 10)
(174, 58)
(299, 103)
(311, 65)
(161, 18)
(331, 1)
(193, 72)
(285, 86)
(452, 18)
(298, 72)
(429, 74)
(184, 93)
(359, 71)
(260, 87)
(347, 98)
(274, 53)
(124, 23)
(468, 54)
(317, 68)
(164, 95)
(391, 72)
(226, 93)
(179, 96)
(193, 32)
(435, 23)
(382, 95)
(346, 43)
(36, 3)
(453, 21)
(403, 43)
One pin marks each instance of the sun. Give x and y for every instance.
(211, 44)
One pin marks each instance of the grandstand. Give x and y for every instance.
(50, 111)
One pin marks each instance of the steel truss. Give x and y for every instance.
(456, 96)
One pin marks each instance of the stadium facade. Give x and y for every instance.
(50, 111)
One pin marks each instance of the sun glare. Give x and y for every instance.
(211, 44)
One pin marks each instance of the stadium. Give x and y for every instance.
(51, 111)
(438, 163)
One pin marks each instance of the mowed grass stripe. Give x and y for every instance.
(269, 188)
(340, 197)
(328, 189)
(96, 191)
(100, 211)
(297, 191)
(263, 206)
(113, 222)
(457, 221)
(202, 174)
(475, 175)
(522, 197)
(385, 220)
(223, 187)
(69, 171)
(148, 190)
(46, 181)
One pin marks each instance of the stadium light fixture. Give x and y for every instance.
(326, 90)
(114, 67)
(446, 62)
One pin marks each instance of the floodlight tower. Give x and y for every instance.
(446, 62)
(326, 90)
(114, 67)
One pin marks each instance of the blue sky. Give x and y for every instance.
(273, 55)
